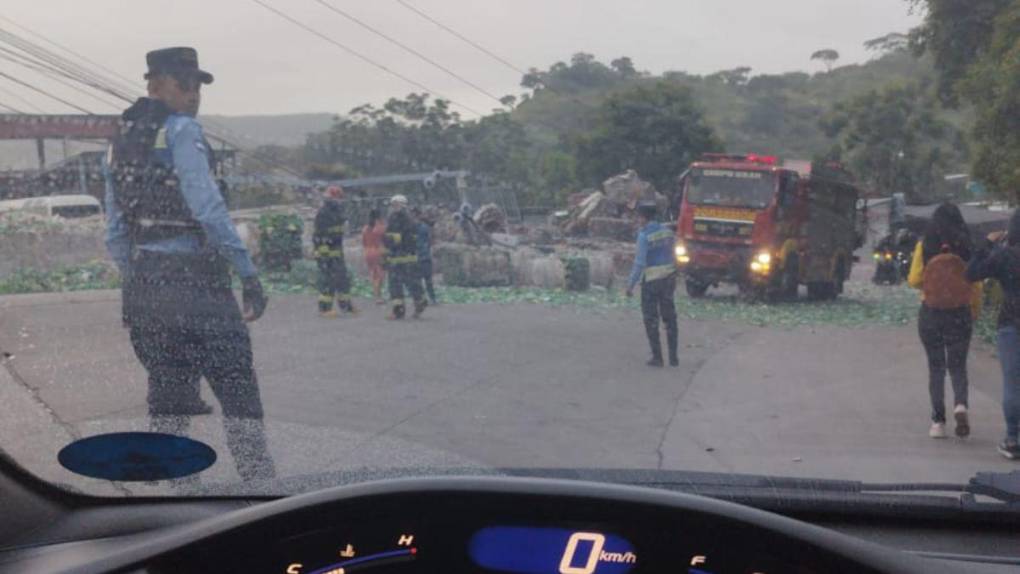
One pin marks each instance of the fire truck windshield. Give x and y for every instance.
(731, 188)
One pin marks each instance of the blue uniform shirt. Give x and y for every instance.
(654, 259)
(187, 151)
(424, 242)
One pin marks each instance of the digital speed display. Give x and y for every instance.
(526, 550)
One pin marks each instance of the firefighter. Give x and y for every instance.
(655, 269)
(170, 235)
(328, 240)
(402, 259)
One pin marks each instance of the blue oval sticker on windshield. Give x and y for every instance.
(136, 456)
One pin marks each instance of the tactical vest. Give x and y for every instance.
(144, 185)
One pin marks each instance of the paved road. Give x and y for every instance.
(511, 385)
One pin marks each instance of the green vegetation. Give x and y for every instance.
(582, 121)
(280, 239)
(90, 276)
(894, 139)
(657, 130)
(862, 306)
(976, 48)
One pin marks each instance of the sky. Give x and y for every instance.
(266, 65)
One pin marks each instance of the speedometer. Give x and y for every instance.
(529, 550)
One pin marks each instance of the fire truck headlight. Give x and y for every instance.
(762, 263)
(682, 256)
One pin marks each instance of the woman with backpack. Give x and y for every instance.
(949, 305)
(1000, 260)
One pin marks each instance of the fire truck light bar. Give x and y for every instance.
(751, 157)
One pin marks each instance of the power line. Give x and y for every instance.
(409, 50)
(59, 64)
(361, 56)
(457, 34)
(15, 58)
(45, 93)
(11, 108)
(21, 99)
(128, 83)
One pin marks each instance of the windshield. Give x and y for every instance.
(340, 240)
(732, 188)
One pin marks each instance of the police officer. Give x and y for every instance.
(328, 240)
(171, 236)
(655, 269)
(402, 259)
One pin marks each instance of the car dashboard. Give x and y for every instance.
(523, 526)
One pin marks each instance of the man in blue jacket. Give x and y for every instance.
(423, 226)
(655, 269)
(999, 258)
(169, 232)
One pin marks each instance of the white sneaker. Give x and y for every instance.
(937, 430)
(962, 421)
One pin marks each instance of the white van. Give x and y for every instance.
(66, 206)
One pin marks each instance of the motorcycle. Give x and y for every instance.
(891, 266)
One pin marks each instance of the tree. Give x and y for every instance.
(624, 66)
(655, 129)
(976, 47)
(956, 33)
(558, 173)
(735, 77)
(993, 86)
(891, 42)
(829, 57)
(893, 139)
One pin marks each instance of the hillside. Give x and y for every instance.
(285, 130)
(774, 114)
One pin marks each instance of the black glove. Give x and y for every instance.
(255, 299)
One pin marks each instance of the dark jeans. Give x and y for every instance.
(425, 265)
(405, 276)
(656, 303)
(186, 324)
(334, 281)
(945, 334)
(1009, 357)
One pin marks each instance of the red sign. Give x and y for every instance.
(28, 126)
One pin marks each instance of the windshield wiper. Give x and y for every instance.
(792, 494)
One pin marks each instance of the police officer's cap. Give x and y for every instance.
(176, 61)
(648, 209)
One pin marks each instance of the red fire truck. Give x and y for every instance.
(769, 228)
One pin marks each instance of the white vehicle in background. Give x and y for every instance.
(66, 206)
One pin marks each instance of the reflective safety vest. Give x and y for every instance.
(659, 261)
(330, 226)
(400, 241)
